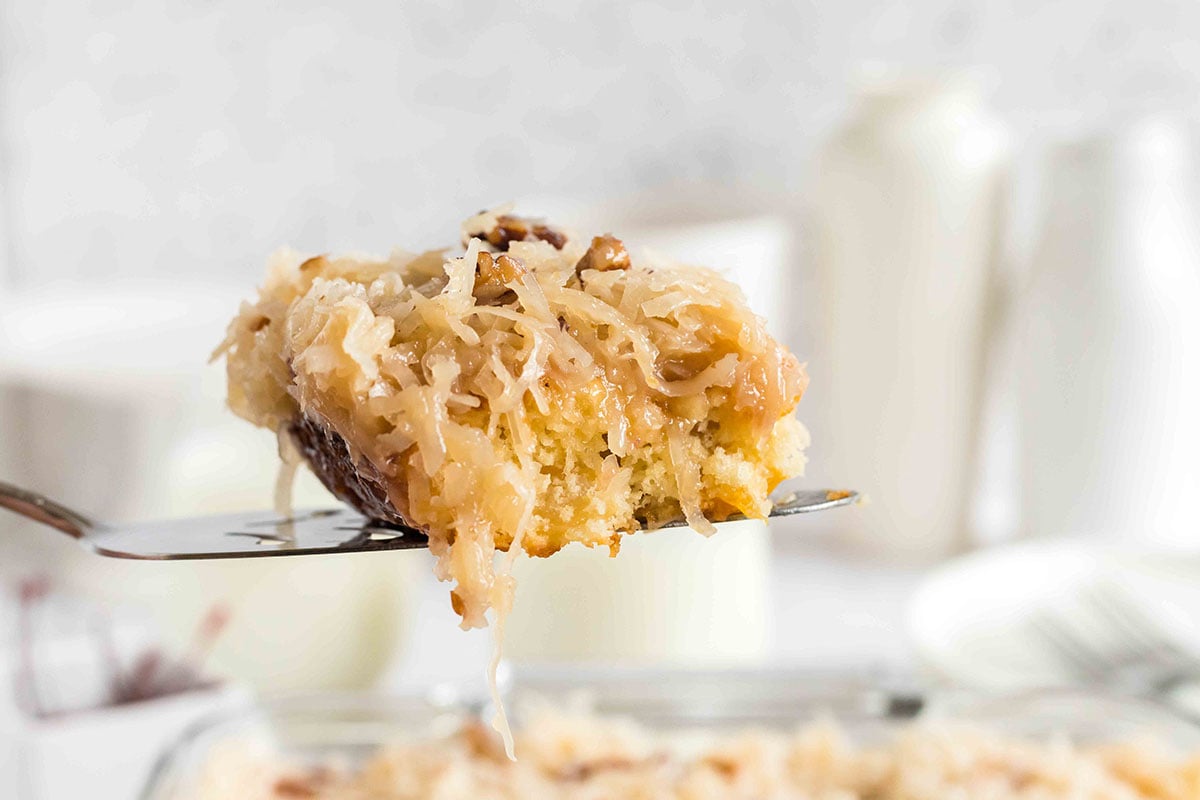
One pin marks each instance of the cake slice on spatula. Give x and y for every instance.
(525, 391)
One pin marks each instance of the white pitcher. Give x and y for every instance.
(1110, 341)
(907, 214)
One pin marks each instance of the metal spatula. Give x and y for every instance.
(331, 530)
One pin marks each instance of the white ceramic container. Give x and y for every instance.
(1109, 354)
(115, 410)
(907, 215)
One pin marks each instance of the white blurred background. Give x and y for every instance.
(187, 140)
(977, 222)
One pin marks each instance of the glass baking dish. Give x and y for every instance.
(348, 728)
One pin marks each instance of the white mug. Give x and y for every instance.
(670, 596)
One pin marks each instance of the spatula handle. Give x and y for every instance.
(34, 506)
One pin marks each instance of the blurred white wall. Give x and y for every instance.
(146, 138)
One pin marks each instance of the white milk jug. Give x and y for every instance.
(1109, 377)
(907, 216)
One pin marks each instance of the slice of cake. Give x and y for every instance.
(527, 391)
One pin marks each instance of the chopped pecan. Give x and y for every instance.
(511, 228)
(498, 270)
(483, 741)
(293, 787)
(494, 273)
(550, 235)
(309, 785)
(724, 766)
(260, 323)
(508, 229)
(582, 771)
(606, 253)
(485, 267)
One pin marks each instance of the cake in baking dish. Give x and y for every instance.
(576, 756)
(526, 390)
